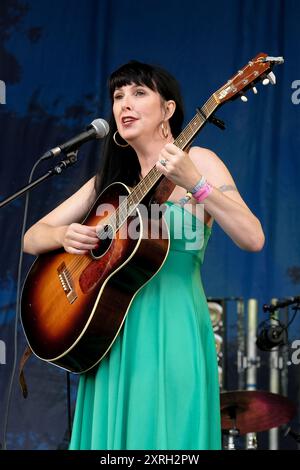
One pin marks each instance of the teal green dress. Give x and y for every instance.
(158, 387)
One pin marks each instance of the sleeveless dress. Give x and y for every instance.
(158, 386)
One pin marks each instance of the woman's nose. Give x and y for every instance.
(126, 104)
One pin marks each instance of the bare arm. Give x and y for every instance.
(61, 227)
(226, 207)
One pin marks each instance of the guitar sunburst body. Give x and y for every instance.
(73, 306)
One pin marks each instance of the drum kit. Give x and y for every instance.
(252, 411)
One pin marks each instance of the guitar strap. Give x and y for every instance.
(25, 356)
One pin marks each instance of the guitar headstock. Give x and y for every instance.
(258, 69)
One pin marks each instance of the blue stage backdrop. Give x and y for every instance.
(55, 57)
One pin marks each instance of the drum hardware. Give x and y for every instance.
(246, 411)
(233, 433)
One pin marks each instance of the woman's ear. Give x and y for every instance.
(170, 107)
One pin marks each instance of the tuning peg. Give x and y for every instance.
(254, 89)
(272, 78)
(244, 98)
(276, 60)
(265, 81)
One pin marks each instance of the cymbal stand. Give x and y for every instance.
(275, 366)
(251, 441)
(253, 361)
(233, 433)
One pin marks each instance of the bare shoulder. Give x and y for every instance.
(212, 167)
(216, 172)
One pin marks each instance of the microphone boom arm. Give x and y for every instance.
(69, 160)
(98, 129)
(284, 303)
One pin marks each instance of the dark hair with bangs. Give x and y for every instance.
(119, 163)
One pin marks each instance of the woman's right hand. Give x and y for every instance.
(79, 239)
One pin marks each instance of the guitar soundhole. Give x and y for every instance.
(106, 236)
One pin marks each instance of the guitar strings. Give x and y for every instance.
(123, 211)
(126, 208)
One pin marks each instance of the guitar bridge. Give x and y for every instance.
(66, 282)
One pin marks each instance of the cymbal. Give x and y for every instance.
(254, 410)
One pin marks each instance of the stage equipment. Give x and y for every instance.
(244, 411)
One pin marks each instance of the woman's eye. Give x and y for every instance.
(139, 92)
(117, 97)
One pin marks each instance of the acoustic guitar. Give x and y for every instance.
(74, 306)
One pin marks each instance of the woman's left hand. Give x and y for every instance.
(178, 167)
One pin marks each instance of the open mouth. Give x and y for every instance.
(128, 120)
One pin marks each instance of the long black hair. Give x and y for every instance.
(121, 163)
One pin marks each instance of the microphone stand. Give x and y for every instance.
(69, 160)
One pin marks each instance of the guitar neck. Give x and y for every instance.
(146, 185)
(255, 70)
(185, 138)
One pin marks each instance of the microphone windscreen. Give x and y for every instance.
(101, 126)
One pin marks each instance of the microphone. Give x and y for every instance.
(98, 129)
(271, 335)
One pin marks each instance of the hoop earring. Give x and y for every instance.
(117, 143)
(165, 130)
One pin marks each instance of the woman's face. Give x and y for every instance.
(138, 111)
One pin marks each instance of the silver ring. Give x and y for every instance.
(163, 162)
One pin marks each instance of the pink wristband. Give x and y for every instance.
(203, 192)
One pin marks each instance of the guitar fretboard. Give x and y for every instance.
(131, 202)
